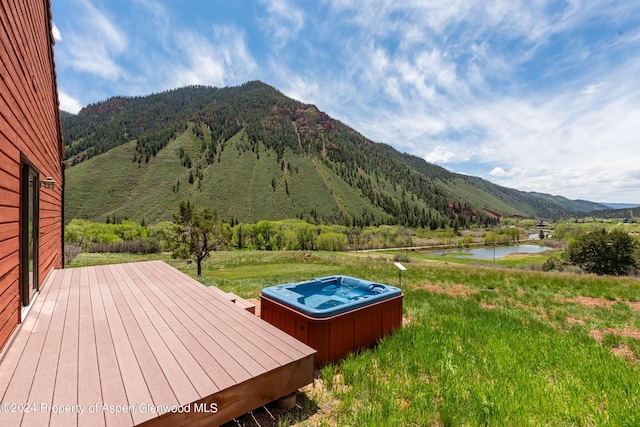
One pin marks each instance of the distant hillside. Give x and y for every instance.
(621, 205)
(628, 213)
(252, 153)
(503, 200)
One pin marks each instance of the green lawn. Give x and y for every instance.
(482, 345)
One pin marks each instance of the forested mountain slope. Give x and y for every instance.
(251, 153)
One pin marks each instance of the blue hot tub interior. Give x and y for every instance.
(328, 296)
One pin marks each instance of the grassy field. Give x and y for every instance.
(482, 344)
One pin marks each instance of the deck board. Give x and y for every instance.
(175, 336)
(220, 323)
(132, 378)
(193, 314)
(143, 338)
(182, 322)
(195, 373)
(251, 326)
(19, 387)
(156, 381)
(286, 343)
(89, 388)
(66, 388)
(45, 374)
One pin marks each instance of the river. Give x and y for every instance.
(493, 252)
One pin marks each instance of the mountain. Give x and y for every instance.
(621, 205)
(251, 153)
(628, 213)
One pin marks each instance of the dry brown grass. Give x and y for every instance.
(453, 290)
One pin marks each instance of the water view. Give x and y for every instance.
(494, 252)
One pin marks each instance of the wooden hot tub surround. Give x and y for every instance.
(334, 337)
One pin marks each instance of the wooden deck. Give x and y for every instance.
(142, 343)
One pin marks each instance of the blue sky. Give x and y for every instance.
(534, 95)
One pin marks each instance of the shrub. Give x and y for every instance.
(70, 252)
(553, 264)
(139, 246)
(401, 257)
(600, 252)
(86, 233)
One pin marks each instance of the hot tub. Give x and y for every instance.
(335, 315)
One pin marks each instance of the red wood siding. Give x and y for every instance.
(29, 127)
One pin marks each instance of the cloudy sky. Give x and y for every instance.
(536, 95)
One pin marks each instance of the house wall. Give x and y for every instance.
(29, 127)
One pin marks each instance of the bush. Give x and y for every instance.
(401, 257)
(553, 264)
(600, 252)
(86, 233)
(70, 252)
(139, 246)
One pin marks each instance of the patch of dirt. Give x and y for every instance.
(590, 301)
(631, 333)
(454, 291)
(272, 416)
(406, 319)
(315, 404)
(488, 306)
(328, 403)
(574, 321)
(635, 305)
(623, 350)
(598, 334)
(601, 302)
(403, 403)
(543, 314)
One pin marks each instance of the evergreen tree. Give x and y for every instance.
(600, 252)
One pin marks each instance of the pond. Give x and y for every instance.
(491, 252)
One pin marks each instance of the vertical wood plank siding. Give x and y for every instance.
(29, 127)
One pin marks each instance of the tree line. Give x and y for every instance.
(195, 232)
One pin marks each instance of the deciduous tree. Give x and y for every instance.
(200, 232)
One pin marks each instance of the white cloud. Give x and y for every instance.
(283, 22)
(439, 155)
(94, 59)
(498, 171)
(575, 146)
(156, 8)
(222, 60)
(446, 78)
(56, 33)
(591, 89)
(518, 89)
(302, 90)
(68, 103)
(96, 42)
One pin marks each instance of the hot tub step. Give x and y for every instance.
(250, 307)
